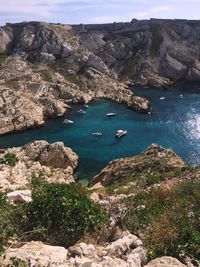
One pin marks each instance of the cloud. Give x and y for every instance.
(151, 12)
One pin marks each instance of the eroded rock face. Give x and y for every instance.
(153, 160)
(55, 161)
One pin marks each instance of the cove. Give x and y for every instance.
(174, 123)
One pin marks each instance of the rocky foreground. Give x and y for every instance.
(114, 189)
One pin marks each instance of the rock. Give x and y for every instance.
(165, 262)
(137, 257)
(6, 36)
(120, 246)
(173, 69)
(154, 160)
(20, 196)
(127, 252)
(55, 161)
(55, 155)
(37, 254)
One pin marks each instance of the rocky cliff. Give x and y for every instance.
(54, 162)
(142, 169)
(46, 67)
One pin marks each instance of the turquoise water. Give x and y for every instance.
(174, 123)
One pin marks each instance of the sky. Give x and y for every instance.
(95, 11)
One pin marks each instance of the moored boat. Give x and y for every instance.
(120, 133)
(81, 111)
(162, 98)
(180, 96)
(97, 134)
(111, 114)
(66, 121)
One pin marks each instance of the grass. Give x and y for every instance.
(3, 57)
(167, 220)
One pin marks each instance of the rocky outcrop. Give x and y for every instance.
(55, 155)
(55, 161)
(126, 251)
(154, 160)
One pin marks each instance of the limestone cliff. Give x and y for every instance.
(54, 162)
(45, 67)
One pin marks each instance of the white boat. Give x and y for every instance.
(97, 134)
(120, 133)
(86, 106)
(81, 111)
(180, 96)
(66, 121)
(111, 114)
(162, 98)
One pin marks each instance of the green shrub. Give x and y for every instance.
(153, 179)
(168, 220)
(59, 214)
(7, 228)
(10, 159)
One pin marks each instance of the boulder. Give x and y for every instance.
(165, 262)
(20, 196)
(55, 155)
(37, 254)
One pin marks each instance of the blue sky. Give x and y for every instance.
(96, 11)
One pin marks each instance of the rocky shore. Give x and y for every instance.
(46, 67)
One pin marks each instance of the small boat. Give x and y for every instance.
(66, 121)
(162, 98)
(86, 106)
(81, 111)
(120, 133)
(181, 96)
(97, 134)
(111, 114)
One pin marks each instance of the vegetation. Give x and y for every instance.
(167, 220)
(6, 221)
(59, 215)
(10, 159)
(2, 58)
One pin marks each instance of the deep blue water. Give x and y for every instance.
(174, 123)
